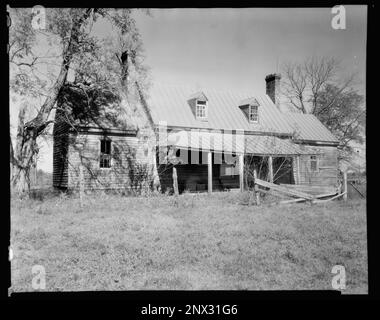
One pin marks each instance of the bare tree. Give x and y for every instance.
(305, 81)
(69, 31)
(317, 86)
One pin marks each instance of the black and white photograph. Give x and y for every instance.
(188, 149)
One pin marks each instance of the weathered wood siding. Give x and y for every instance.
(131, 160)
(194, 177)
(60, 150)
(327, 171)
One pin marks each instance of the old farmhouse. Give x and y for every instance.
(213, 140)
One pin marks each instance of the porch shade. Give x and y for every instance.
(234, 143)
(206, 141)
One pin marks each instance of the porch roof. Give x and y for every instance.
(275, 146)
(234, 143)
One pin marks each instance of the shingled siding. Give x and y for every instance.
(327, 171)
(60, 149)
(129, 157)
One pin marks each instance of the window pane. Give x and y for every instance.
(102, 146)
(253, 113)
(105, 146)
(108, 147)
(313, 163)
(201, 111)
(229, 170)
(105, 153)
(105, 161)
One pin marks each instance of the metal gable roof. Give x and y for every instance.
(308, 127)
(170, 104)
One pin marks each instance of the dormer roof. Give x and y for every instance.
(198, 96)
(248, 102)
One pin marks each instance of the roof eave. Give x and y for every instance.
(248, 132)
(100, 130)
(316, 142)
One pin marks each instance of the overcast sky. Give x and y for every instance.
(235, 49)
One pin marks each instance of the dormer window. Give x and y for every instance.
(250, 108)
(201, 109)
(253, 113)
(198, 103)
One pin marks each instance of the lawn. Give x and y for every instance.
(193, 242)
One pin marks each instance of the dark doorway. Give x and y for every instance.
(283, 170)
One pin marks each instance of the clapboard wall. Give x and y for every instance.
(75, 148)
(131, 160)
(327, 168)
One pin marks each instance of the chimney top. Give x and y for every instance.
(273, 76)
(273, 88)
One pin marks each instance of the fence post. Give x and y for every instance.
(256, 187)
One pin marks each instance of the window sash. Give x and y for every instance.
(253, 114)
(201, 110)
(313, 163)
(105, 146)
(229, 170)
(105, 161)
(105, 154)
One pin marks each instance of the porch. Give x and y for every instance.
(208, 161)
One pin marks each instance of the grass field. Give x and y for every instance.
(190, 242)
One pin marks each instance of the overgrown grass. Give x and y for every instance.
(186, 242)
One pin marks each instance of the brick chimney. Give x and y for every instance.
(273, 87)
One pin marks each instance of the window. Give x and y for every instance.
(105, 153)
(229, 170)
(313, 163)
(200, 110)
(253, 114)
(230, 165)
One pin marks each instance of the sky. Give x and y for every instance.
(235, 49)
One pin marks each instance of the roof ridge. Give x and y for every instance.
(249, 94)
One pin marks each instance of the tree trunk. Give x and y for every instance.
(26, 145)
(21, 163)
(22, 158)
(20, 180)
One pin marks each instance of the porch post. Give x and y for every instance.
(345, 185)
(209, 163)
(298, 175)
(241, 172)
(270, 168)
(175, 181)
